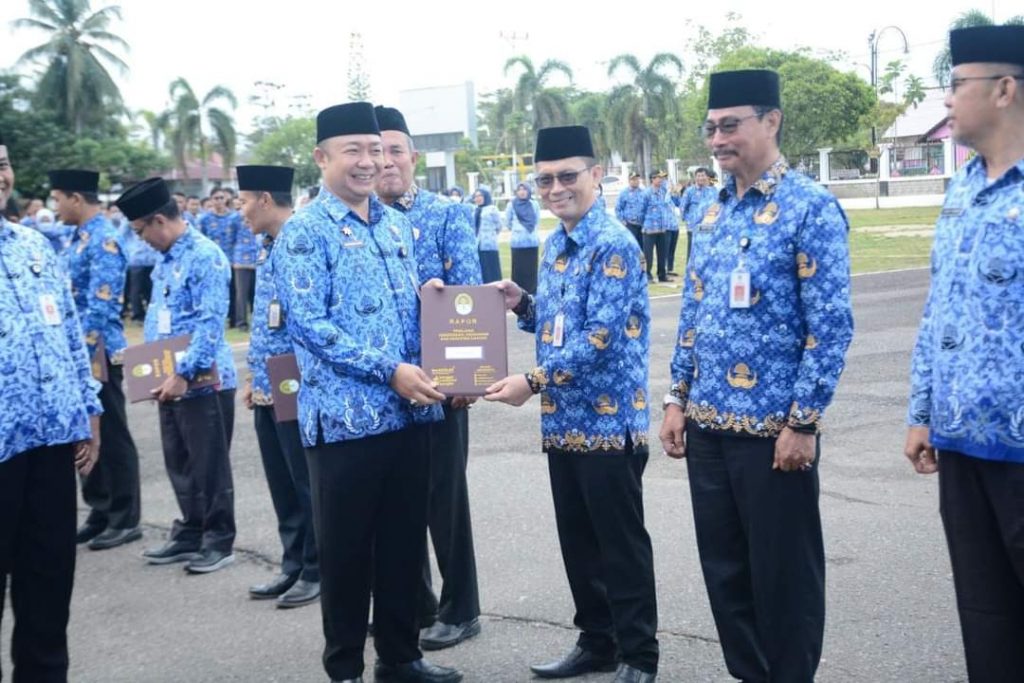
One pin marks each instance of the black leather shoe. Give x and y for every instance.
(576, 663)
(209, 561)
(111, 538)
(277, 586)
(420, 671)
(171, 552)
(357, 679)
(442, 635)
(302, 593)
(87, 532)
(629, 674)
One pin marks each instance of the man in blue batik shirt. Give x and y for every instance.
(265, 193)
(49, 425)
(591, 318)
(223, 225)
(966, 412)
(347, 275)
(97, 266)
(764, 328)
(445, 250)
(243, 269)
(659, 220)
(190, 297)
(694, 203)
(629, 208)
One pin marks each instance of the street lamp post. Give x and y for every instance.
(873, 47)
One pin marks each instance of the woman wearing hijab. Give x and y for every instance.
(487, 222)
(522, 216)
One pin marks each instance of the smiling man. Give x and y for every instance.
(591, 319)
(763, 332)
(966, 413)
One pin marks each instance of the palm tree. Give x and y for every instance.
(639, 107)
(915, 94)
(199, 127)
(157, 126)
(75, 82)
(943, 63)
(535, 104)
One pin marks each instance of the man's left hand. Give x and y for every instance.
(794, 451)
(513, 390)
(87, 452)
(173, 388)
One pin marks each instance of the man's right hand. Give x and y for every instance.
(673, 432)
(920, 452)
(247, 395)
(512, 292)
(412, 384)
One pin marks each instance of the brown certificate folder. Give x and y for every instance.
(283, 372)
(99, 362)
(148, 365)
(464, 345)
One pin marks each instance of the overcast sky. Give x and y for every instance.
(305, 44)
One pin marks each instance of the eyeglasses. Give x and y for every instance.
(728, 126)
(566, 178)
(955, 83)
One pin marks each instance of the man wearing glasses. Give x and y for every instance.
(766, 320)
(966, 415)
(591, 318)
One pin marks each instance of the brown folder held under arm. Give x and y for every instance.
(147, 366)
(283, 372)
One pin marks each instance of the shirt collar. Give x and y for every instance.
(976, 167)
(338, 210)
(765, 185)
(6, 231)
(181, 245)
(406, 201)
(581, 233)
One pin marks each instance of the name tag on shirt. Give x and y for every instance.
(274, 315)
(558, 338)
(163, 321)
(49, 309)
(951, 213)
(739, 288)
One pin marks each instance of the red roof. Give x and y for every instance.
(214, 170)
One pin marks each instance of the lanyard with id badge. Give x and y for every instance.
(739, 280)
(163, 315)
(47, 302)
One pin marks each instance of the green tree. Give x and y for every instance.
(943, 63)
(589, 109)
(915, 92)
(75, 82)
(157, 126)
(641, 107)
(199, 127)
(890, 79)
(534, 104)
(291, 144)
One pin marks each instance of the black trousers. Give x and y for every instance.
(524, 268)
(670, 252)
(112, 488)
(231, 297)
(140, 290)
(37, 550)
(196, 438)
(244, 293)
(762, 554)
(599, 512)
(982, 508)
(490, 266)
(637, 231)
(656, 241)
(370, 516)
(284, 462)
(450, 527)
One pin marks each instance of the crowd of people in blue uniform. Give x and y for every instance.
(377, 455)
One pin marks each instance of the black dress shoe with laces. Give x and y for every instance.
(420, 671)
(442, 635)
(302, 593)
(576, 663)
(111, 538)
(273, 588)
(629, 674)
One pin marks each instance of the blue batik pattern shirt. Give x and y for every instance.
(967, 372)
(490, 226)
(659, 214)
(191, 281)
(58, 234)
(47, 391)
(629, 207)
(522, 237)
(140, 254)
(754, 371)
(445, 246)
(264, 341)
(694, 203)
(222, 229)
(247, 248)
(350, 291)
(594, 393)
(97, 265)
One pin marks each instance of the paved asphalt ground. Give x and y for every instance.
(891, 613)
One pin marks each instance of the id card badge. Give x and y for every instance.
(274, 315)
(739, 288)
(48, 307)
(559, 333)
(163, 321)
